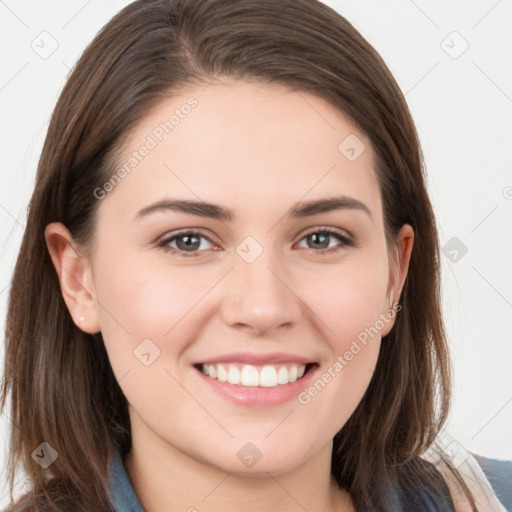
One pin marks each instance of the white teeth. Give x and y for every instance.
(267, 376)
(233, 375)
(282, 376)
(222, 374)
(250, 376)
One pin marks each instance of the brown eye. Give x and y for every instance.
(187, 243)
(318, 240)
(325, 239)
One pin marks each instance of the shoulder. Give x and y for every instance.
(473, 477)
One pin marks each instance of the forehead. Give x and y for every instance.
(240, 144)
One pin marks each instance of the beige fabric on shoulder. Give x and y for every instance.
(447, 452)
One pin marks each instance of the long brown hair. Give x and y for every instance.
(62, 388)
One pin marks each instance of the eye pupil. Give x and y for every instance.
(319, 240)
(188, 242)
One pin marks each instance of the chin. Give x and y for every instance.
(259, 457)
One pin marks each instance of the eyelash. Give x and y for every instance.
(345, 242)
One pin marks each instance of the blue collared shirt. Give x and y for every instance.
(122, 493)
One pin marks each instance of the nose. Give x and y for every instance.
(260, 297)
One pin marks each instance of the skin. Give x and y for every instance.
(256, 150)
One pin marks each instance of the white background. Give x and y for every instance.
(463, 111)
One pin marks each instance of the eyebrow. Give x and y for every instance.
(213, 211)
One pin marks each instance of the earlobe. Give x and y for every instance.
(75, 277)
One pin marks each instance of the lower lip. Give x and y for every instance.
(256, 396)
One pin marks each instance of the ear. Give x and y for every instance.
(399, 265)
(75, 277)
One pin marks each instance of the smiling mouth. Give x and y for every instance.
(248, 375)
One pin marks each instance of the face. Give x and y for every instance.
(247, 243)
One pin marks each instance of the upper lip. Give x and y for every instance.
(257, 359)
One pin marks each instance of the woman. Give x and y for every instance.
(231, 267)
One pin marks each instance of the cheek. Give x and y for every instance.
(348, 301)
(148, 316)
(138, 302)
